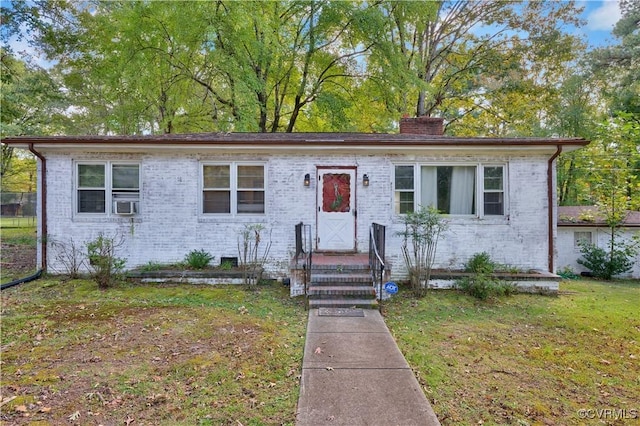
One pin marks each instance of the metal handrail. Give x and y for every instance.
(376, 259)
(304, 250)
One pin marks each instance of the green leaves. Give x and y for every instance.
(606, 264)
(160, 67)
(423, 228)
(198, 259)
(107, 268)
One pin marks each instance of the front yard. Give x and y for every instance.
(528, 359)
(149, 355)
(220, 355)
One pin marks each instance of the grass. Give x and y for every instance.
(527, 359)
(18, 251)
(217, 355)
(17, 231)
(17, 222)
(192, 355)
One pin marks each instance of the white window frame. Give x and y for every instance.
(233, 187)
(479, 186)
(110, 194)
(482, 190)
(577, 239)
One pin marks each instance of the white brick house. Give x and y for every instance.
(167, 195)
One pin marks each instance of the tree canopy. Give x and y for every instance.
(161, 67)
(490, 68)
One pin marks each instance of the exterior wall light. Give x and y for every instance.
(365, 180)
(307, 180)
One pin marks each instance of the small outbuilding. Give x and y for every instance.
(578, 224)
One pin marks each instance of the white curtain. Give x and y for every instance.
(429, 186)
(462, 190)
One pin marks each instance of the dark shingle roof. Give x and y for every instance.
(589, 216)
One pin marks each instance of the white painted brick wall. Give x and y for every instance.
(169, 224)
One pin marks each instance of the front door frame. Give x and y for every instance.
(320, 170)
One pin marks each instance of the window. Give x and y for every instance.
(580, 238)
(493, 190)
(233, 188)
(91, 188)
(104, 184)
(452, 189)
(404, 199)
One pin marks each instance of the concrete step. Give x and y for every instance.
(343, 303)
(324, 292)
(338, 285)
(340, 278)
(338, 268)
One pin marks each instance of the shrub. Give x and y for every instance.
(226, 265)
(422, 230)
(480, 263)
(107, 268)
(252, 255)
(71, 256)
(605, 264)
(567, 273)
(483, 285)
(152, 266)
(198, 259)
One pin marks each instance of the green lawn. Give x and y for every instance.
(17, 222)
(150, 354)
(187, 354)
(527, 359)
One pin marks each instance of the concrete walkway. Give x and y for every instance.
(354, 374)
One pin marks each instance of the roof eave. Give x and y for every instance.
(294, 141)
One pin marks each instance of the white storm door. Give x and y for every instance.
(336, 209)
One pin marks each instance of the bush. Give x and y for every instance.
(71, 256)
(152, 266)
(480, 263)
(253, 255)
(483, 285)
(107, 268)
(227, 265)
(198, 259)
(422, 230)
(604, 264)
(567, 273)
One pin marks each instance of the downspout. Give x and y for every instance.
(551, 203)
(43, 206)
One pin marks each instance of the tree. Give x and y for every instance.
(613, 184)
(243, 66)
(31, 100)
(288, 65)
(576, 113)
(439, 56)
(31, 103)
(614, 177)
(19, 172)
(618, 65)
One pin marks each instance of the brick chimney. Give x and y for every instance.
(422, 126)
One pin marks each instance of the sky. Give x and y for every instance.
(601, 16)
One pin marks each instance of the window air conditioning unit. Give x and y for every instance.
(125, 208)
